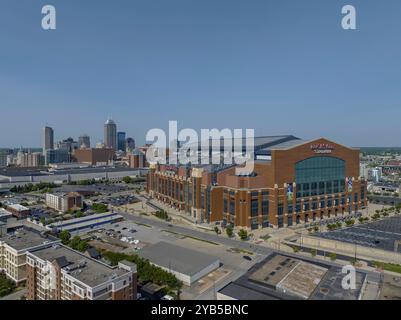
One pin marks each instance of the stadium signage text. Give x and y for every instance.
(322, 147)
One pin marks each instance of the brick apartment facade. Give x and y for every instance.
(293, 182)
(60, 273)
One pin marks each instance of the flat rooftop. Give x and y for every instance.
(299, 278)
(303, 279)
(289, 275)
(18, 207)
(274, 270)
(238, 292)
(93, 218)
(4, 213)
(24, 239)
(177, 258)
(44, 172)
(87, 270)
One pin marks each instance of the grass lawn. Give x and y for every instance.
(388, 266)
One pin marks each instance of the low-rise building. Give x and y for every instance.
(187, 265)
(5, 215)
(64, 202)
(19, 211)
(83, 224)
(95, 156)
(18, 176)
(13, 250)
(57, 272)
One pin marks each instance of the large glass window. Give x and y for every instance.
(280, 210)
(254, 207)
(265, 203)
(320, 175)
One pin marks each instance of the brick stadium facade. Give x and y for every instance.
(294, 182)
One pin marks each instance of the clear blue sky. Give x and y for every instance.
(280, 67)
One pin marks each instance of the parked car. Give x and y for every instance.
(247, 258)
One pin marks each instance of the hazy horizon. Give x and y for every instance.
(279, 67)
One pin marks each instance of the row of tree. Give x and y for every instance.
(146, 271)
(243, 234)
(75, 243)
(33, 187)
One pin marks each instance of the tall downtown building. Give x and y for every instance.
(84, 141)
(110, 134)
(121, 145)
(48, 139)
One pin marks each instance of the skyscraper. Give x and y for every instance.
(130, 145)
(121, 141)
(84, 141)
(48, 139)
(110, 134)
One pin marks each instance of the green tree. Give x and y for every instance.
(78, 244)
(65, 237)
(333, 256)
(99, 207)
(313, 252)
(296, 249)
(6, 285)
(162, 215)
(78, 214)
(229, 231)
(127, 180)
(82, 246)
(243, 234)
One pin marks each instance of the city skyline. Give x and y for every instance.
(279, 68)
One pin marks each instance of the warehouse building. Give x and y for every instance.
(293, 182)
(85, 224)
(17, 176)
(187, 265)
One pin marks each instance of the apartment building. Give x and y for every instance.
(63, 202)
(13, 250)
(57, 272)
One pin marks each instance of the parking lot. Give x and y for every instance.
(116, 200)
(128, 236)
(379, 234)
